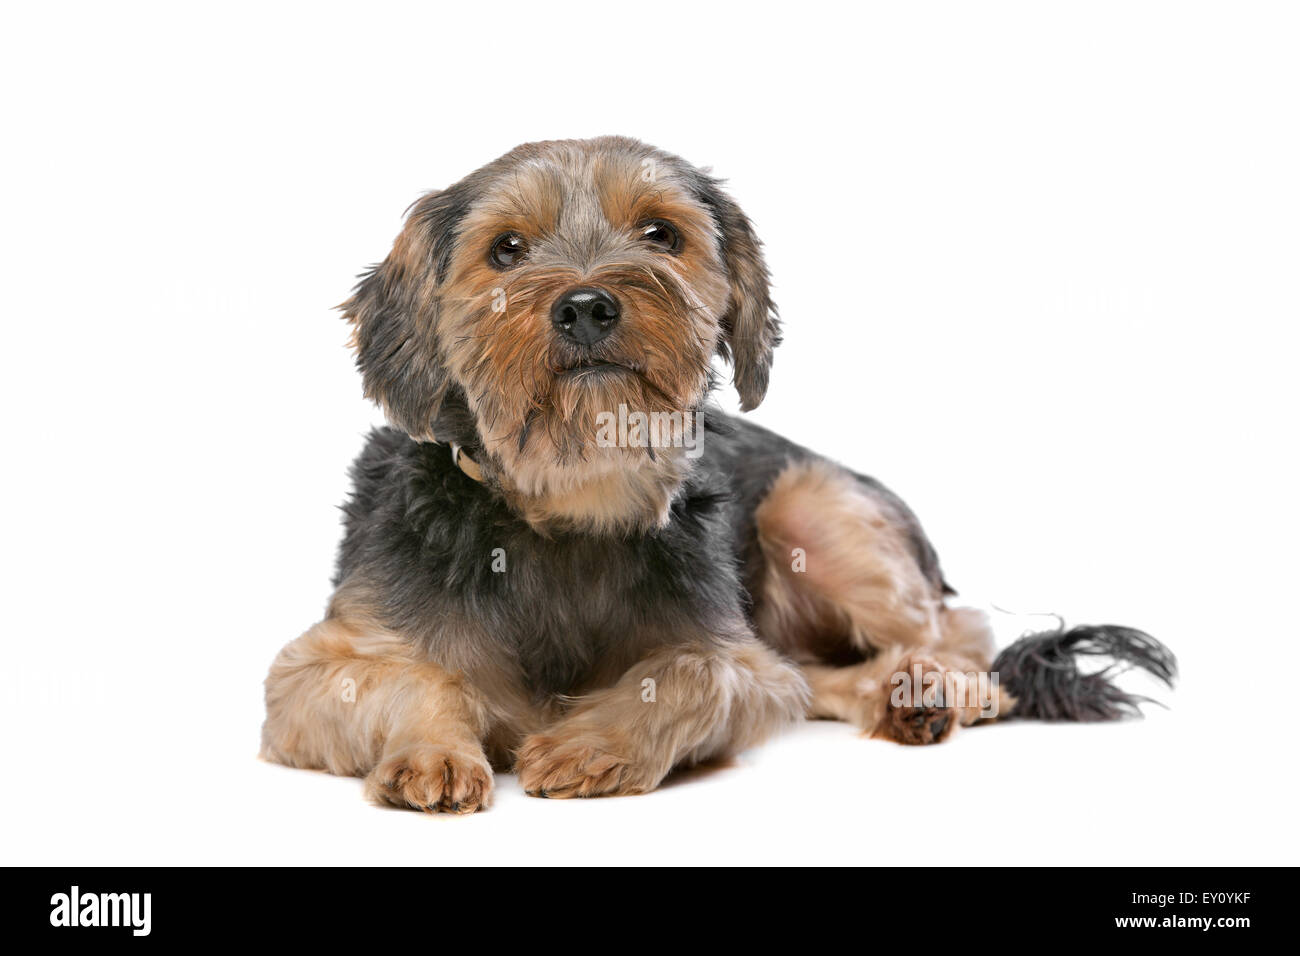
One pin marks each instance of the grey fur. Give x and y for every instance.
(575, 609)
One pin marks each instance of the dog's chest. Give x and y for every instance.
(579, 606)
(579, 610)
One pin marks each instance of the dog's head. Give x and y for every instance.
(562, 281)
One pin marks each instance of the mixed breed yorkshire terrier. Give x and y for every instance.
(515, 593)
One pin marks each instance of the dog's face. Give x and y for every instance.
(557, 283)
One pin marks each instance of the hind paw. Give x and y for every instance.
(923, 707)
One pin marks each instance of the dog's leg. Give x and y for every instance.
(843, 578)
(913, 697)
(353, 699)
(679, 706)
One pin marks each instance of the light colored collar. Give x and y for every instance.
(465, 463)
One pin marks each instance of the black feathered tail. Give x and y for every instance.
(1041, 671)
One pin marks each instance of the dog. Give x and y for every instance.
(561, 559)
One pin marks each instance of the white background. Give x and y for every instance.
(1038, 266)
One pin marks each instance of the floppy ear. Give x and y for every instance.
(750, 327)
(394, 312)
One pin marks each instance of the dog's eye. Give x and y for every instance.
(660, 234)
(508, 250)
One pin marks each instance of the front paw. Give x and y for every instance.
(434, 779)
(553, 765)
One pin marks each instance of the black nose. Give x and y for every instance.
(585, 315)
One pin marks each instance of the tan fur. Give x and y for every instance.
(421, 734)
(636, 497)
(859, 694)
(708, 703)
(497, 341)
(352, 699)
(860, 586)
(352, 696)
(859, 571)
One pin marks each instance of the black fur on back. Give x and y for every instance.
(1042, 672)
